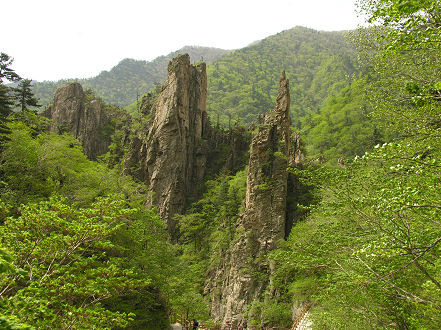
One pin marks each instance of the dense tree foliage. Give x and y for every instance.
(244, 84)
(33, 168)
(209, 226)
(343, 127)
(369, 255)
(65, 267)
(6, 105)
(80, 255)
(6, 100)
(211, 221)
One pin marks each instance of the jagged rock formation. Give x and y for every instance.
(239, 281)
(177, 147)
(171, 158)
(84, 116)
(297, 155)
(228, 150)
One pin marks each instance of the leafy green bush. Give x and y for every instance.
(67, 268)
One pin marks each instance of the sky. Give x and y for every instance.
(56, 39)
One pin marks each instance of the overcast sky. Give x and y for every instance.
(54, 39)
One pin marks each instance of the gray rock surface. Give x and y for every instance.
(243, 278)
(171, 156)
(72, 111)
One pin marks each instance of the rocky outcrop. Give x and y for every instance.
(245, 276)
(171, 157)
(84, 116)
(228, 150)
(297, 155)
(175, 149)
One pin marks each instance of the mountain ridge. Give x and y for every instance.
(122, 83)
(129, 79)
(242, 84)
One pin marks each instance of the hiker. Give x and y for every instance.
(195, 324)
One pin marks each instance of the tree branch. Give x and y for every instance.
(408, 295)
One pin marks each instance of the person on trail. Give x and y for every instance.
(195, 324)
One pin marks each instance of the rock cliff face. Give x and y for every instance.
(176, 148)
(171, 157)
(244, 278)
(84, 117)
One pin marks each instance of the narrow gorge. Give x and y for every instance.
(203, 189)
(237, 284)
(172, 152)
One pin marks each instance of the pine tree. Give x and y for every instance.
(5, 70)
(6, 101)
(24, 96)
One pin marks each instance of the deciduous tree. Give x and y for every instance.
(66, 268)
(370, 254)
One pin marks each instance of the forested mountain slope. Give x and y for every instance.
(243, 84)
(343, 126)
(123, 82)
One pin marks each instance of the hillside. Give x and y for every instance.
(312, 193)
(123, 82)
(327, 97)
(243, 84)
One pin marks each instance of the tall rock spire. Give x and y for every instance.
(171, 158)
(263, 220)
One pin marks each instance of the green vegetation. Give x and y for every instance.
(79, 249)
(6, 72)
(78, 246)
(144, 102)
(242, 85)
(35, 167)
(121, 85)
(6, 100)
(368, 256)
(209, 225)
(24, 95)
(343, 127)
(66, 269)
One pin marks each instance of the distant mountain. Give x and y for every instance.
(243, 84)
(123, 82)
